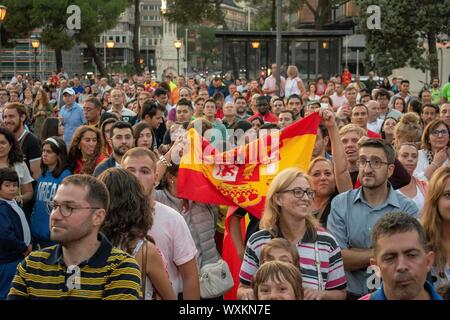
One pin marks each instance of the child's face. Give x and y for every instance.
(276, 290)
(8, 190)
(279, 254)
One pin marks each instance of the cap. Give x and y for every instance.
(69, 91)
(313, 102)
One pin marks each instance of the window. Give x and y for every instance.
(117, 39)
(124, 39)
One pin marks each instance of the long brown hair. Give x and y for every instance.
(431, 218)
(129, 216)
(43, 100)
(270, 219)
(75, 151)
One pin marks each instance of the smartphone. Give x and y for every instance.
(324, 106)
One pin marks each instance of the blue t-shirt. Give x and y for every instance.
(45, 190)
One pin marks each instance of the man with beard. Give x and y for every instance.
(435, 92)
(121, 140)
(14, 119)
(355, 212)
(429, 113)
(84, 264)
(241, 108)
(402, 256)
(262, 104)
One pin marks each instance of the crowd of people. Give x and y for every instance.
(89, 205)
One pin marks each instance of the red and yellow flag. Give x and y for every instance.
(241, 177)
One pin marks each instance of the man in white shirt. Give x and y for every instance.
(374, 123)
(170, 231)
(270, 84)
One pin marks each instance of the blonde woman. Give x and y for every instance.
(288, 214)
(436, 222)
(294, 85)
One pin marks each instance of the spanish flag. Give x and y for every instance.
(241, 177)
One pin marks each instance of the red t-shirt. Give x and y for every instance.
(268, 117)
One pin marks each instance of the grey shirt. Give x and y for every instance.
(351, 221)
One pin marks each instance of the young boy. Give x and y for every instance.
(15, 236)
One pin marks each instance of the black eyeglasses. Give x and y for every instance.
(65, 209)
(299, 192)
(442, 132)
(374, 163)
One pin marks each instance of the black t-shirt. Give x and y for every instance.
(31, 149)
(159, 134)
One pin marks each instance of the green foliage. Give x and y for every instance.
(405, 26)
(190, 12)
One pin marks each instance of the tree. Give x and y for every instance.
(136, 51)
(97, 16)
(399, 41)
(190, 13)
(321, 11)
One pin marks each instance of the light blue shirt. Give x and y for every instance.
(73, 118)
(351, 221)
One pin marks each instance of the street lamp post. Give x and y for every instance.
(3, 11)
(110, 44)
(255, 45)
(35, 43)
(177, 44)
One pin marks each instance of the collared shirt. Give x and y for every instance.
(380, 295)
(110, 274)
(351, 221)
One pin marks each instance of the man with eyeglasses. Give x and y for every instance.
(355, 212)
(83, 265)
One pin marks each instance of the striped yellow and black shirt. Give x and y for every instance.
(110, 274)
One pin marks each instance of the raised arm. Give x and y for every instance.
(343, 179)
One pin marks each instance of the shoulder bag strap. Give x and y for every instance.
(144, 267)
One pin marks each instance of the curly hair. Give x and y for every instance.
(129, 216)
(75, 151)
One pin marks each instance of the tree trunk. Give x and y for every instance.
(432, 57)
(136, 51)
(58, 58)
(93, 52)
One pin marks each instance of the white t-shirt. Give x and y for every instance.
(291, 87)
(419, 199)
(23, 173)
(173, 238)
(375, 126)
(338, 101)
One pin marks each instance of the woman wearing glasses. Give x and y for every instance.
(435, 152)
(288, 214)
(54, 168)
